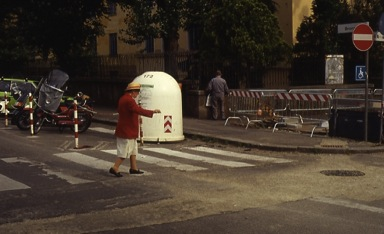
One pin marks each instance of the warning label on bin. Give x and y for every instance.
(167, 123)
(145, 97)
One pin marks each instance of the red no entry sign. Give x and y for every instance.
(362, 37)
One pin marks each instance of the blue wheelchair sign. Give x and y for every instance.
(360, 73)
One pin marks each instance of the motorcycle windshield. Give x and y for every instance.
(57, 78)
(50, 97)
(50, 92)
(24, 89)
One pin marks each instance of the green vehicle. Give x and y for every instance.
(15, 88)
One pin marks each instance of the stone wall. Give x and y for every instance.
(194, 105)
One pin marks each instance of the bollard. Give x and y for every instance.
(30, 98)
(76, 122)
(141, 131)
(6, 108)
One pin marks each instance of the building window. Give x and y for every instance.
(113, 44)
(111, 8)
(149, 45)
(193, 38)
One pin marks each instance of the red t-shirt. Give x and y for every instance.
(128, 121)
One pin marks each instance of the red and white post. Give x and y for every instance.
(30, 98)
(6, 108)
(141, 130)
(76, 123)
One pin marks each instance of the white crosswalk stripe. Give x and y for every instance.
(194, 157)
(102, 130)
(239, 155)
(9, 184)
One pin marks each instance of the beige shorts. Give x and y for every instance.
(126, 147)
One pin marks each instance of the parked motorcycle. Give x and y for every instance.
(64, 116)
(20, 113)
(52, 109)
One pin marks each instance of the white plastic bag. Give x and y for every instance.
(208, 103)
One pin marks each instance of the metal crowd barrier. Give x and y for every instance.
(242, 103)
(350, 93)
(354, 99)
(308, 105)
(296, 107)
(312, 91)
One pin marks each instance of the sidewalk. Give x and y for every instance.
(258, 137)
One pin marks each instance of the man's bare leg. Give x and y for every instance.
(118, 162)
(132, 160)
(134, 169)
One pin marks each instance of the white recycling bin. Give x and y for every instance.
(159, 90)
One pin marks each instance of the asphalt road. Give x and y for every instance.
(193, 186)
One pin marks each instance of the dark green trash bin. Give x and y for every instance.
(350, 124)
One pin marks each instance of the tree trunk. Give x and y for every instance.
(171, 47)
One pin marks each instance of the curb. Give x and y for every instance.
(278, 148)
(286, 148)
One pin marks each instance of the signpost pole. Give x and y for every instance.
(381, 30)
(366, 97)
(362, 38)
(382, 106)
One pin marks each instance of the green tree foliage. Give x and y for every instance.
(245, 31)
(155, 19)
(14, 52)
(64, 29)
(236, 33)
(246, 34)
(317, 35)
(370, 11)
(367, 10)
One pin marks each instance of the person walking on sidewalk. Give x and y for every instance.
(127, 129)
(218, 88)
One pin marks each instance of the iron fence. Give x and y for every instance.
(128, 66)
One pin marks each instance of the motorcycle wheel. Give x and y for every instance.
(38, 120)
(84, 120)
(23, 121)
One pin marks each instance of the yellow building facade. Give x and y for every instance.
(290, 15)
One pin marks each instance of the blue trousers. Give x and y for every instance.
(218, 106)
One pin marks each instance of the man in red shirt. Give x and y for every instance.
(127, 129)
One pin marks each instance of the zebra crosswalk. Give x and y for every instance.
(162, 162)
(187, 159)
(194, 157)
